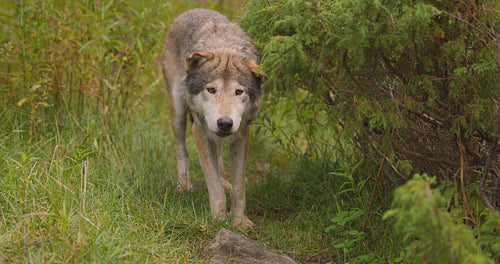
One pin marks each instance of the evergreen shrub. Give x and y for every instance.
(416, 83)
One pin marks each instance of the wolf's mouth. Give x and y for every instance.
(223, 133)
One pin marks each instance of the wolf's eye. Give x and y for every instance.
(239, 92)
(211, 90)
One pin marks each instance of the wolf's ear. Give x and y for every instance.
(197, 58)
(254, 67)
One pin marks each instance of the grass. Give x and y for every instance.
(93, 195)
(87, 167)
(89, 194)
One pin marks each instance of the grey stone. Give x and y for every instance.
(229, 247)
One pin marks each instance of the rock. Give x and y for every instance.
(229, 247)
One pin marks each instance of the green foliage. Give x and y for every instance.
(414, 83)
(414, 86)
(432, 234)
(86, 56)
(349, 235)
(489, 235)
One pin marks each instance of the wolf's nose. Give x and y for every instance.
(225, 123)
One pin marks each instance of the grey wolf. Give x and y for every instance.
(211, 72)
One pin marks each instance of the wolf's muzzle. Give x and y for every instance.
(225, 123)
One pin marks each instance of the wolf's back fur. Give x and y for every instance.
(203, 29)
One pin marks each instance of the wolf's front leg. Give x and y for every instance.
(207, 150)
(239, 151)
(222, 173)
(178, 114)
(182, 157)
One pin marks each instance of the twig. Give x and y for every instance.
(391, 68)
(349, 72)
(465, 198)
(330, 82)
(84, 188)
(373, 191)
(388, 162)
(405, 151)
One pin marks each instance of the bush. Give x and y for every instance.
(432, 233)
(415, 82)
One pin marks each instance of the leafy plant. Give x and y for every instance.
(489, 237)
(350, 184)
(348, 235)
(432, 234)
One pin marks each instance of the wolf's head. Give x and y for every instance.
(224, 89)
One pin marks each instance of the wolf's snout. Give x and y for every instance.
(225, 123)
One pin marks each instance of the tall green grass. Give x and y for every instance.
(83, 57)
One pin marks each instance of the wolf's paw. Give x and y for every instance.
(184, 187)
(244, 223)
(226, 185)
